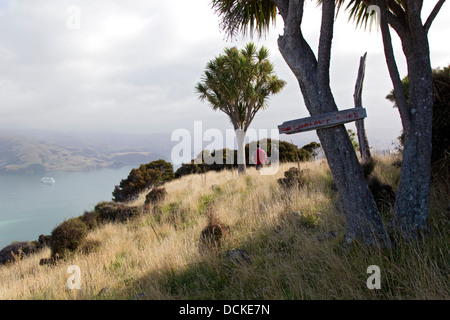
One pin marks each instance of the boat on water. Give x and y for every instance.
(48, 180)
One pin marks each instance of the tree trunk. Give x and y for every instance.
(361, 213)
(413, 196)
(240, 138)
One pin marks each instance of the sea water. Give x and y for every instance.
(29, 208)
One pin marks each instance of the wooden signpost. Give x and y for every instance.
(335, 118)
(322, 121)
(364, 148)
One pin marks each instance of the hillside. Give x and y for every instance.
(275, 243)
(20, 154)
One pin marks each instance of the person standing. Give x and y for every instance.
(260, 157)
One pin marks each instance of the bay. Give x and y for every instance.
(29, 208)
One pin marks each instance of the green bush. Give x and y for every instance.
(67, 237)
(146, 176)
(155, 196)
(114, 212)
(90, 218)
(188, 168)
(441, 115)
(293, 178)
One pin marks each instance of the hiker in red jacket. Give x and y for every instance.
(260, 157)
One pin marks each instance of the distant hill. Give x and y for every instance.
(20, 154)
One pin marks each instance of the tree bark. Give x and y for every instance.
(360, 130)
(413, 196)
(240, 138)
(363, 221)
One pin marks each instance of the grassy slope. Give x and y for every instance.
(157, 255)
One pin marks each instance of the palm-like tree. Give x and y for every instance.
(239, 83)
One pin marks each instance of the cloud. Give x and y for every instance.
(132, 67)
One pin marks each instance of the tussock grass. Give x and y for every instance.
(293, 238)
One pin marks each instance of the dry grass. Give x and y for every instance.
(157, 256)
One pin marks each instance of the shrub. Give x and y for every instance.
(89, 246)
(146, 176)
(155, 196)
(293, 178)
(187, 168)
(114, 212)
(90, 218)
(212, 235)
(67, 237)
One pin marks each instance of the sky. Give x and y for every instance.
(132, 66)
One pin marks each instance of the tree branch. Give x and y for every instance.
(393, 69)
(325, 39)
(433, 15)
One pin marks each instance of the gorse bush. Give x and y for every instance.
(67, 237)
(115, 212)
(146, 176)
(155, 195)
(293, 178)
(90, 218)
(213, 235)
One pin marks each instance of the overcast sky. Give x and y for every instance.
(131, 66)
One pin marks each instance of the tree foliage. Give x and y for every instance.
(146, 176)
(239, 83)
(441, 112)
